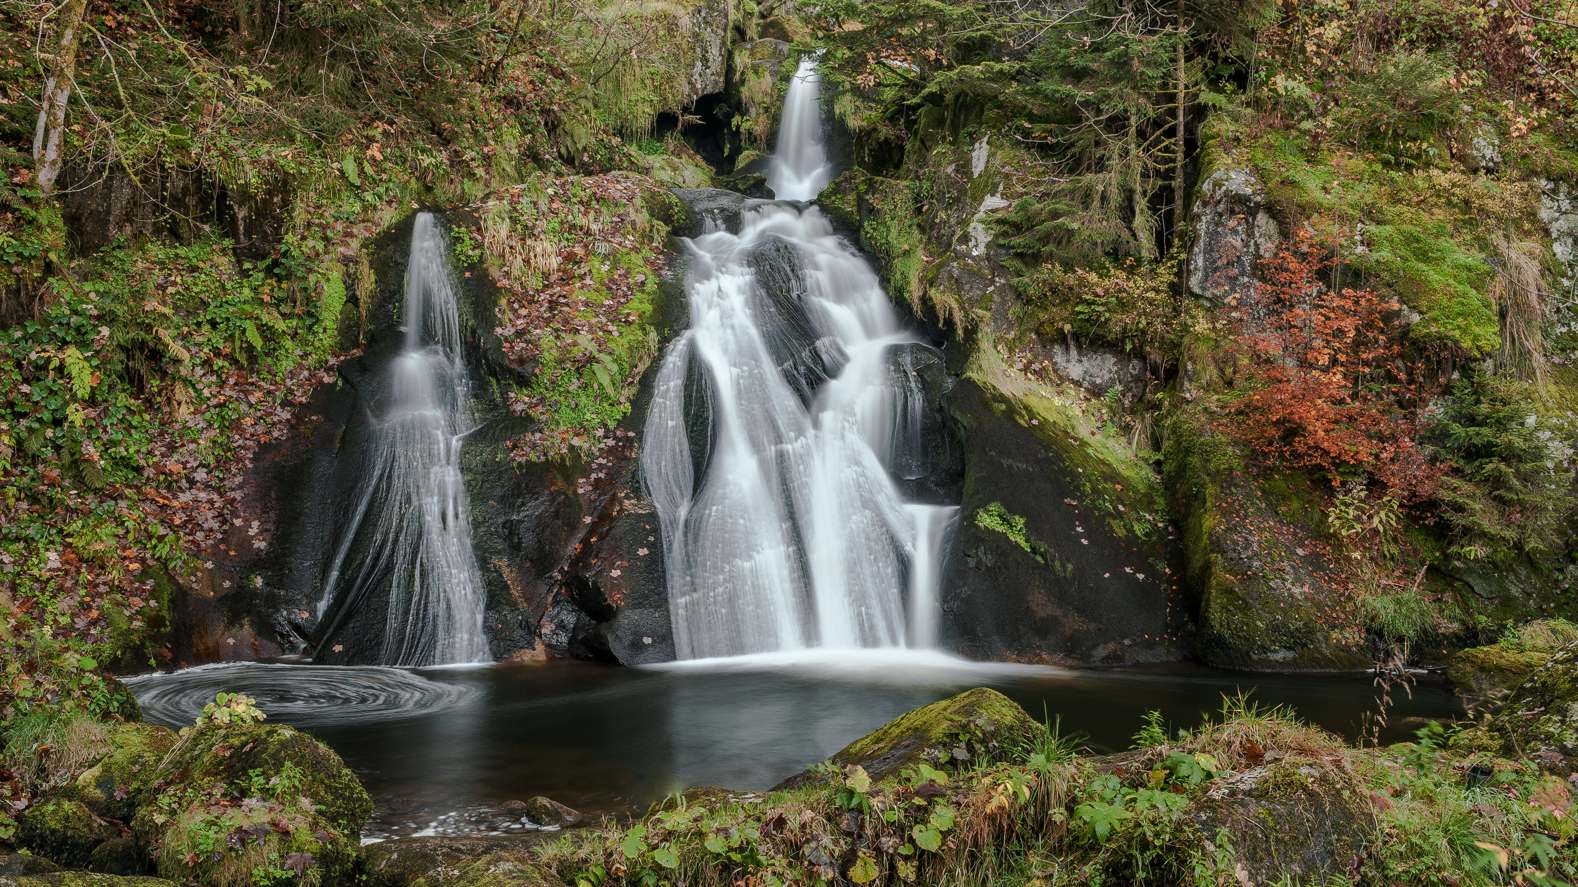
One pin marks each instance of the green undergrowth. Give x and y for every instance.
(998, 519)
(1226, 799)
(580, 263)
(146, 375)
(1421, 234)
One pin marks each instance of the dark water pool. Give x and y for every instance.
(440, 749)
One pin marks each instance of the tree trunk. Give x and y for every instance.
(49, 136)
(1179, 192)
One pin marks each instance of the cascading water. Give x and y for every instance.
(799, 168)
(779, 421)
(405, 542)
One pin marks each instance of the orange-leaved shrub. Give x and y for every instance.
(1321, 379)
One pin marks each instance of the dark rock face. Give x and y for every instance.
(101, 202)
(1048, 562)
(932, 470)
(711, 209)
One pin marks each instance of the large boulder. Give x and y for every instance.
(1293, 820)
(972, 728)
(63, 830)
(1539, 720)
(235, 799)
(1232, 231)
(1266, 594)
(1060, 551)
(1483, 676)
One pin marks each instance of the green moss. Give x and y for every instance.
(121, 779)
(999, 519)
(62, 830)
(973, 728)
(1115, 479)
(1447, 284)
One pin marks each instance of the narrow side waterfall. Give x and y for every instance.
(405, 541)
(779, 422)
(799, 168)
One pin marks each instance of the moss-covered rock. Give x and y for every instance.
(1294, 820)
(119, 781)
(973, 728)
(1264, 591)
(1539, 720)
(446, 861)
(63, 830)
(1485, 675)
(1482, 676)
(1061, 548)
(231, 801)
(13, 864)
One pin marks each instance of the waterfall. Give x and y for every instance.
(778, 422)
(799, 168)
(405, 543)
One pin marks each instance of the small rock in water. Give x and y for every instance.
(543, 811)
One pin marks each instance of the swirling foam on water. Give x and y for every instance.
(299, 695)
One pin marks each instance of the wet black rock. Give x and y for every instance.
(1057, 556)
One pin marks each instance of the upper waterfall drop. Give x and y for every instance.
(405, 539)
(799, 168)
(778, 422)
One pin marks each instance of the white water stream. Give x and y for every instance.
(410, 530)
(776, 420)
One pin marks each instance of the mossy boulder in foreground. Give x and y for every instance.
(976, 727)
(233, 801)
(1539, 720)
(63, 830)
(115, 785)
(1300, 820)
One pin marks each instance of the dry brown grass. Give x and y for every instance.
(1519, 294)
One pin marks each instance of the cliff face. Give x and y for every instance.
(1331, 333)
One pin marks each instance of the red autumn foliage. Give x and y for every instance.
(1325, 386)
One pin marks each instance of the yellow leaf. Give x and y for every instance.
(1502, 857)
